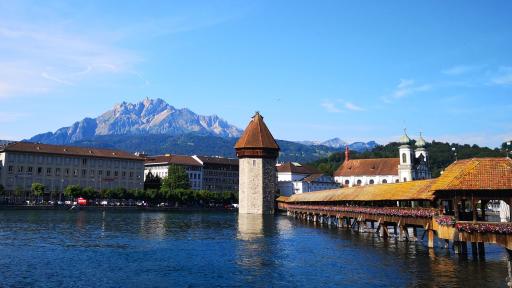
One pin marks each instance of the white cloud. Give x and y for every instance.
(353, 107)
(503, 76)
(333, 106)
(35, 59)
(458, 70)
(8, 117)
(407, 87)
(330, 107)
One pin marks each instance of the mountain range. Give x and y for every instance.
(338, 143)
(150, 116)
(154, 127)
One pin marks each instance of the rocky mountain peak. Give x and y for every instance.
(149, 116)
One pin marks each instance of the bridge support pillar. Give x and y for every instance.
(509, 266)
(384, 231)
(430, 238)
(481, 250)
(456, 247)
(464, 247)
(474, 249)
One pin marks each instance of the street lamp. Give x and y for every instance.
(506, 148)
(454, 153)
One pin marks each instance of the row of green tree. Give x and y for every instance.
(441, 155)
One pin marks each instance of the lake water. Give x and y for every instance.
(171, 249)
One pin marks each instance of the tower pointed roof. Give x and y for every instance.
(405, 140)
(420, 143)
(257, 135)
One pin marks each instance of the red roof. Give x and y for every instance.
(29, 147)
(297, 168)
(370, 167)
(257, 135)
(173, 159)
(476, 174)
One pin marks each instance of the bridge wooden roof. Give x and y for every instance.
(413, 190)
(484, 174)
(476, 174)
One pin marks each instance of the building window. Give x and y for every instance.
(116, 173)
(75, 172)
(20, 169)
(405, 179)
(66, 171)
(91, 173)
(347, 182)
(385, 181)
(396, 181)
(84, 172)
(372, 182)
(359, 182)
(48, 171)
(108, 173)
(84, 161)
(10, 169)
(404, 158)
(100, 172)
(29, 170)
(123, 173)
(131, 174)
(57, 171)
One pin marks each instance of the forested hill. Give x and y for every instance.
(441, 155)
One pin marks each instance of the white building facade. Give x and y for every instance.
(411, 165)
(56, 167)
(159, 166)
(295, 178)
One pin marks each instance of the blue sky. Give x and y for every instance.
(315, 69)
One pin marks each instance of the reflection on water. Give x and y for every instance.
(157, 249)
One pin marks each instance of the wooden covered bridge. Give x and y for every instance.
(452, 206)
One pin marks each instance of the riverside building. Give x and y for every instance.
(57, 166)
(296, 178)
(216, 174)
(410, 165)
(159, 165)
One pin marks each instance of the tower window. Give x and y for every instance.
(404, 158)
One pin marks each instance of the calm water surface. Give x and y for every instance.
(165, 249)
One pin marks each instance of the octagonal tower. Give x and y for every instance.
(258, 151)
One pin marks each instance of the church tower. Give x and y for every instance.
(406, 157)
(420, 148)
(257, 150)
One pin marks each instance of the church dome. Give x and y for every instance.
(405, 139)
(420, 143)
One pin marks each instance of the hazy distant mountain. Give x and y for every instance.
(335, 143)
(362, 146)
(338, 143)
(150, 116)
(191, 143)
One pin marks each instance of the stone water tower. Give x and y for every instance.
(257, 150)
